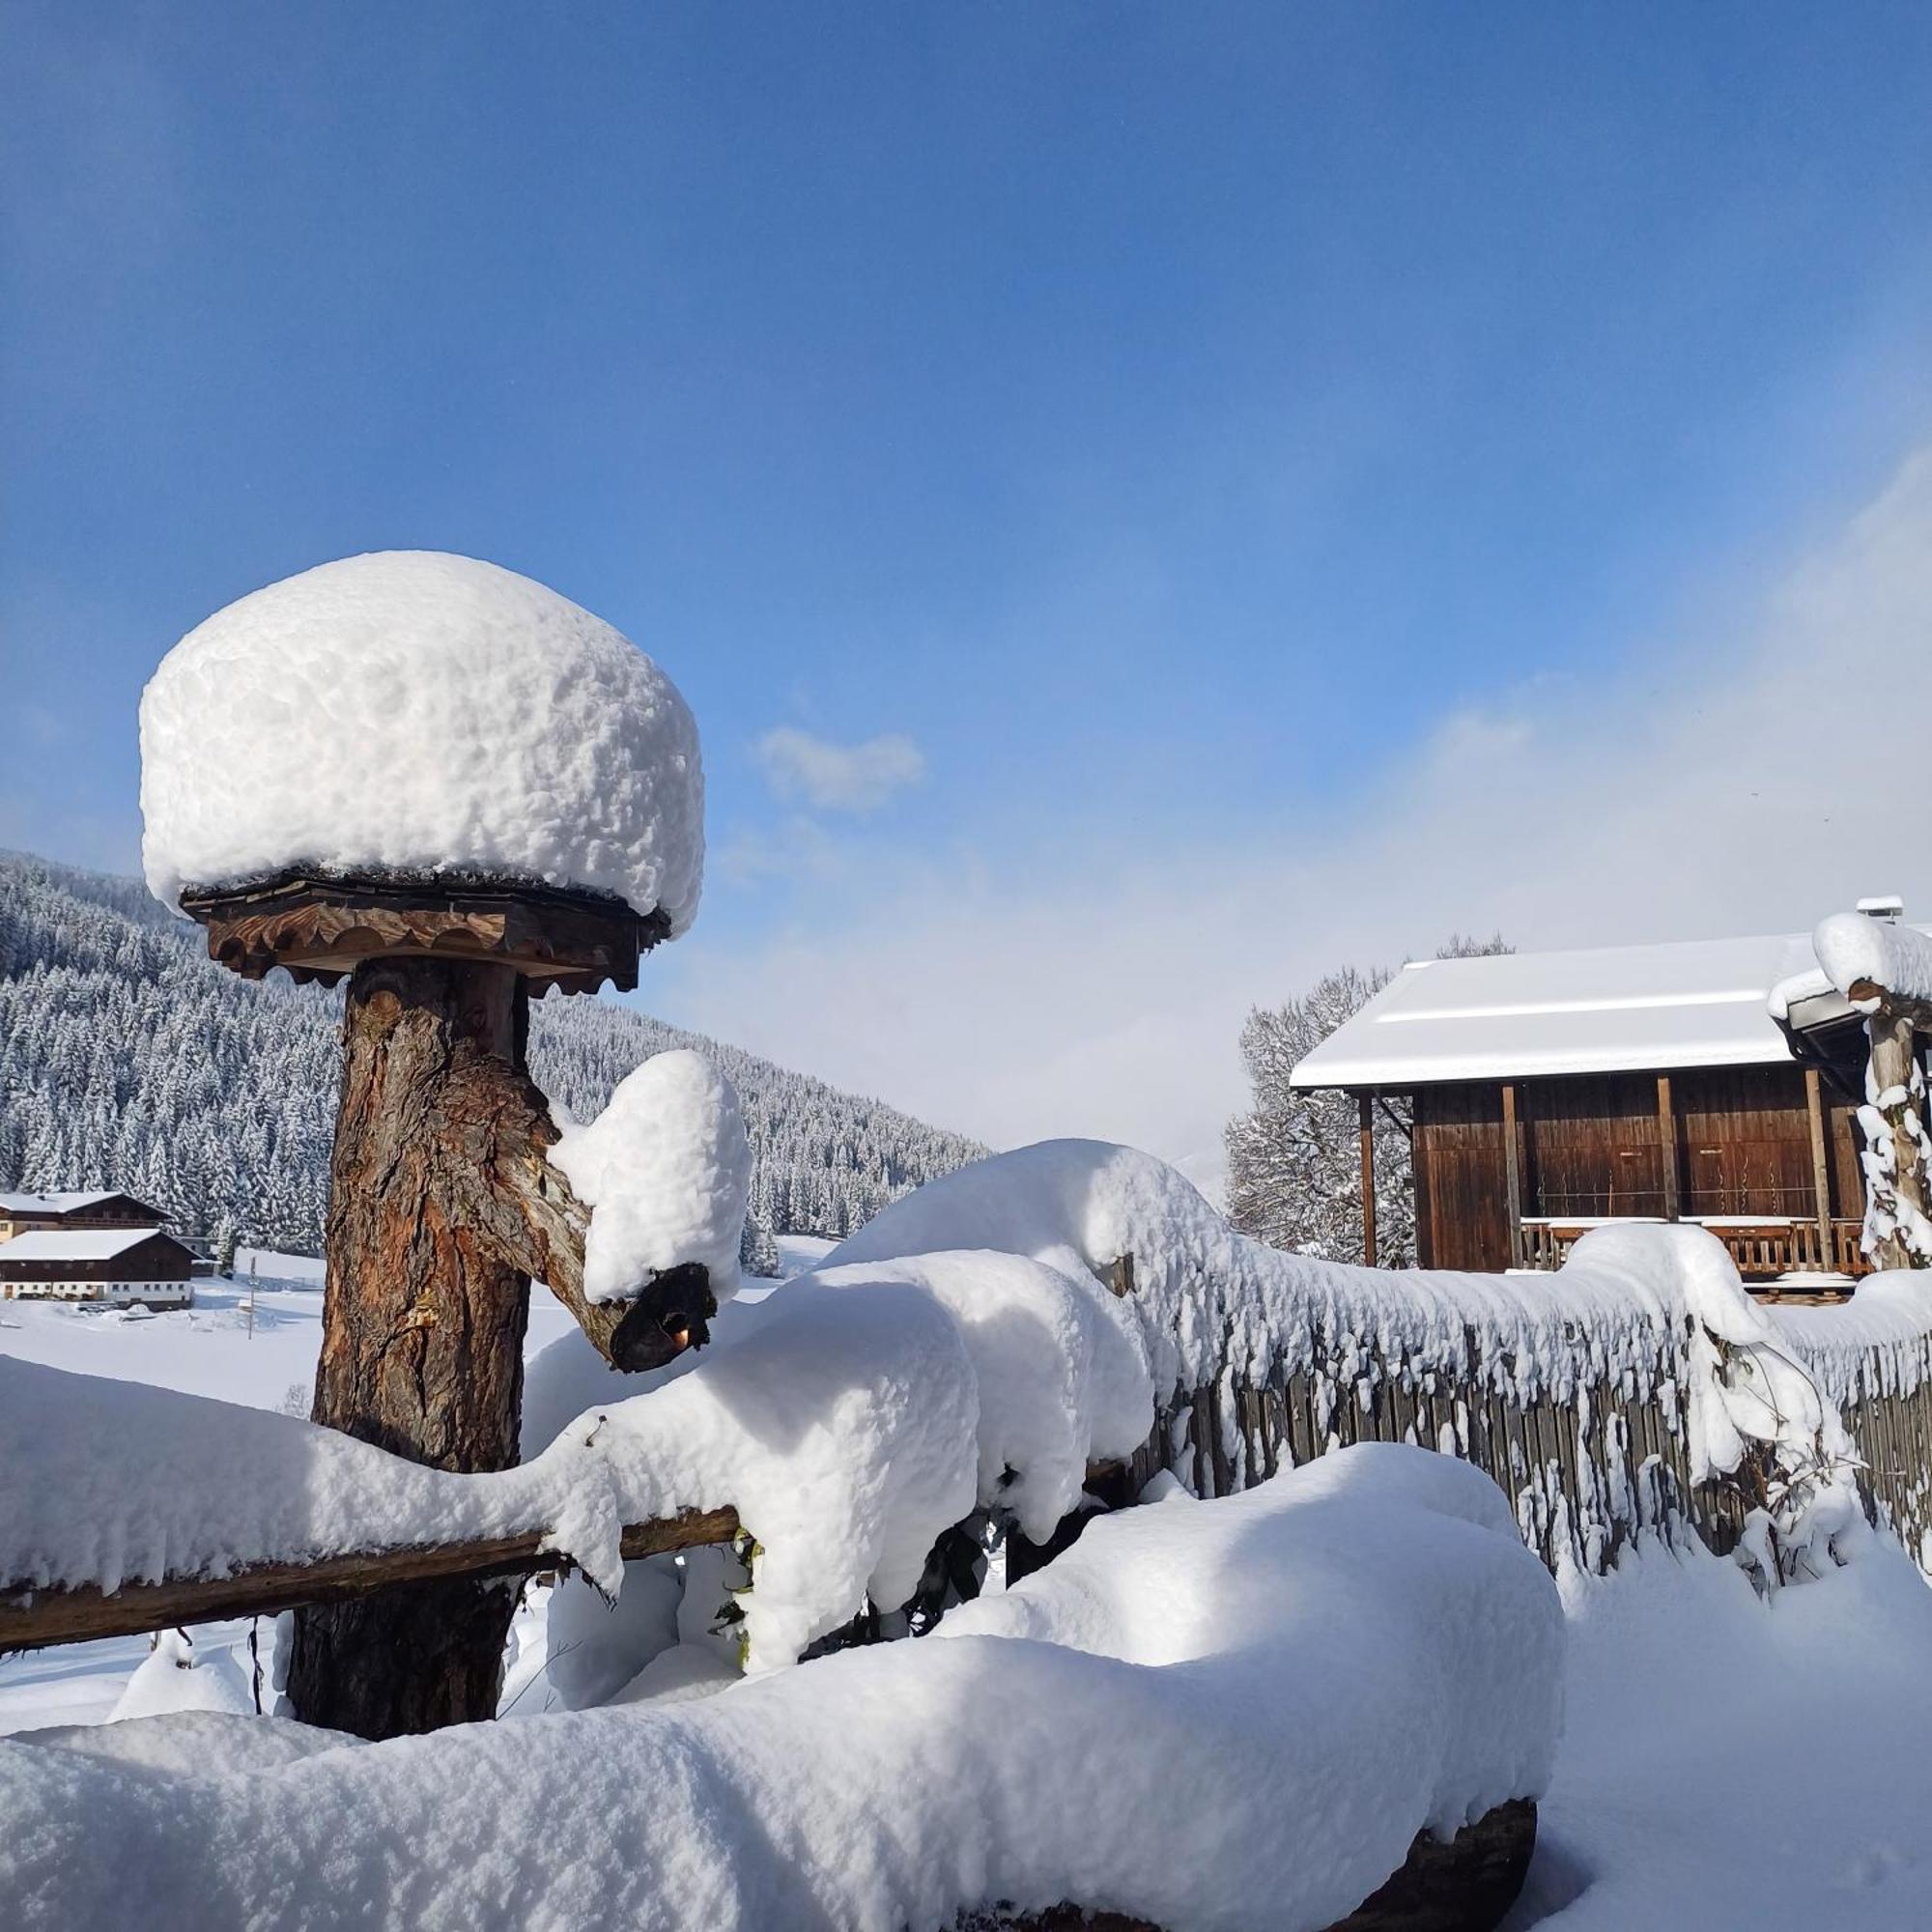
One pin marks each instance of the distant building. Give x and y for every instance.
(127, 1267)
(25, 1213)
(1713, 1081)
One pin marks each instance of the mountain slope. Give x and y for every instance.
(128, 1058)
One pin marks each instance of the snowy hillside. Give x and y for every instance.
(128, 1058)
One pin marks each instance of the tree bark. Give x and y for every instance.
(423, 1322)
(442, 1205)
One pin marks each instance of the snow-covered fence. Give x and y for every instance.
(1637, 1389)
(1872, 1359)
(961, 1358)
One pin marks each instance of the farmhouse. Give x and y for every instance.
(22, 1214)
(124, 1266)
(1713, 1081)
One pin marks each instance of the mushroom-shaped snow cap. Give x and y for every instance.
(413, 712)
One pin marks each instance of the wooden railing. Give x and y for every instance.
(1762, 1249)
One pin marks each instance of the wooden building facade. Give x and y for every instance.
(134, 1268)
(1547, 1093)
(75, 1214)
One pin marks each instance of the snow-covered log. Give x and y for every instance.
(1329, 1665)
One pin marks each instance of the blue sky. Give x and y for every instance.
(1169, 421)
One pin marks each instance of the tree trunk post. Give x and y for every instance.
(1892, 1120)
(443, 1208)
(422, 1330)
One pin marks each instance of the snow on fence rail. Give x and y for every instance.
(963, 1353)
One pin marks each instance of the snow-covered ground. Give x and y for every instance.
(1732, 1762)
(1726, 1760)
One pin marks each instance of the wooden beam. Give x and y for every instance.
(30, 1618)
(1821, 1174)
(1366, 1116)
(1666, 1144)
(1512, 1176)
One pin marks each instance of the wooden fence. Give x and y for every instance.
(1590, 1454)
(1585, 1474)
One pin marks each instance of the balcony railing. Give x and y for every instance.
(1763, 1246)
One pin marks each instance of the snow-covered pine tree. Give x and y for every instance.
(1294, 1159)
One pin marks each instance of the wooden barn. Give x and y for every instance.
(23, 1213)
(126, 1267)
(1713, 1081)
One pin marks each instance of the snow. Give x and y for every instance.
(53, 1204)
(665, 1169)
(79, 1244)
(410, 710)
(1732, 1760)
(1330, 1661)
(173, 1678)
(1855, 949)
(1691, 1002)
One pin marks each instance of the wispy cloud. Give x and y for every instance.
(1735, 786)
(804, 769)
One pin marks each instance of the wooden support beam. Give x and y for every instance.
(1821, 1173)
(1366, 1116)
(1666, 1144)
(30, 1618)
(1512, 1176)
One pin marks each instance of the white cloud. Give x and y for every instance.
(1748, 786)
(837, 778)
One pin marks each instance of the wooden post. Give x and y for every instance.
(1821, 1178)
(1894, 1072)
(442, 1207)
(1366, 1116)
(1666, 1144)
(422, 1349)
(1512, 1176)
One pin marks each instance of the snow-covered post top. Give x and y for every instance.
(421, 716)
(1885, 970)
(446, 782)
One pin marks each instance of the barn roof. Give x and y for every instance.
(91, 1244)
(68, 1204)
(1606, 1009)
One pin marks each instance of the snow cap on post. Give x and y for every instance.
(424, 721)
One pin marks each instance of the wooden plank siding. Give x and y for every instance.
(1596, 1147)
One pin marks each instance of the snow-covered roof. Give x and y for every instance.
(92, 1244)
(54, 1204)
(412, 711)
(1602, 1010)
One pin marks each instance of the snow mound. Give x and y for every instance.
(1327, 1664)
(410, 710)
(172, 1678)
(666, 1171)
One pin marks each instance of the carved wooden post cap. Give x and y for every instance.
(320, 927)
